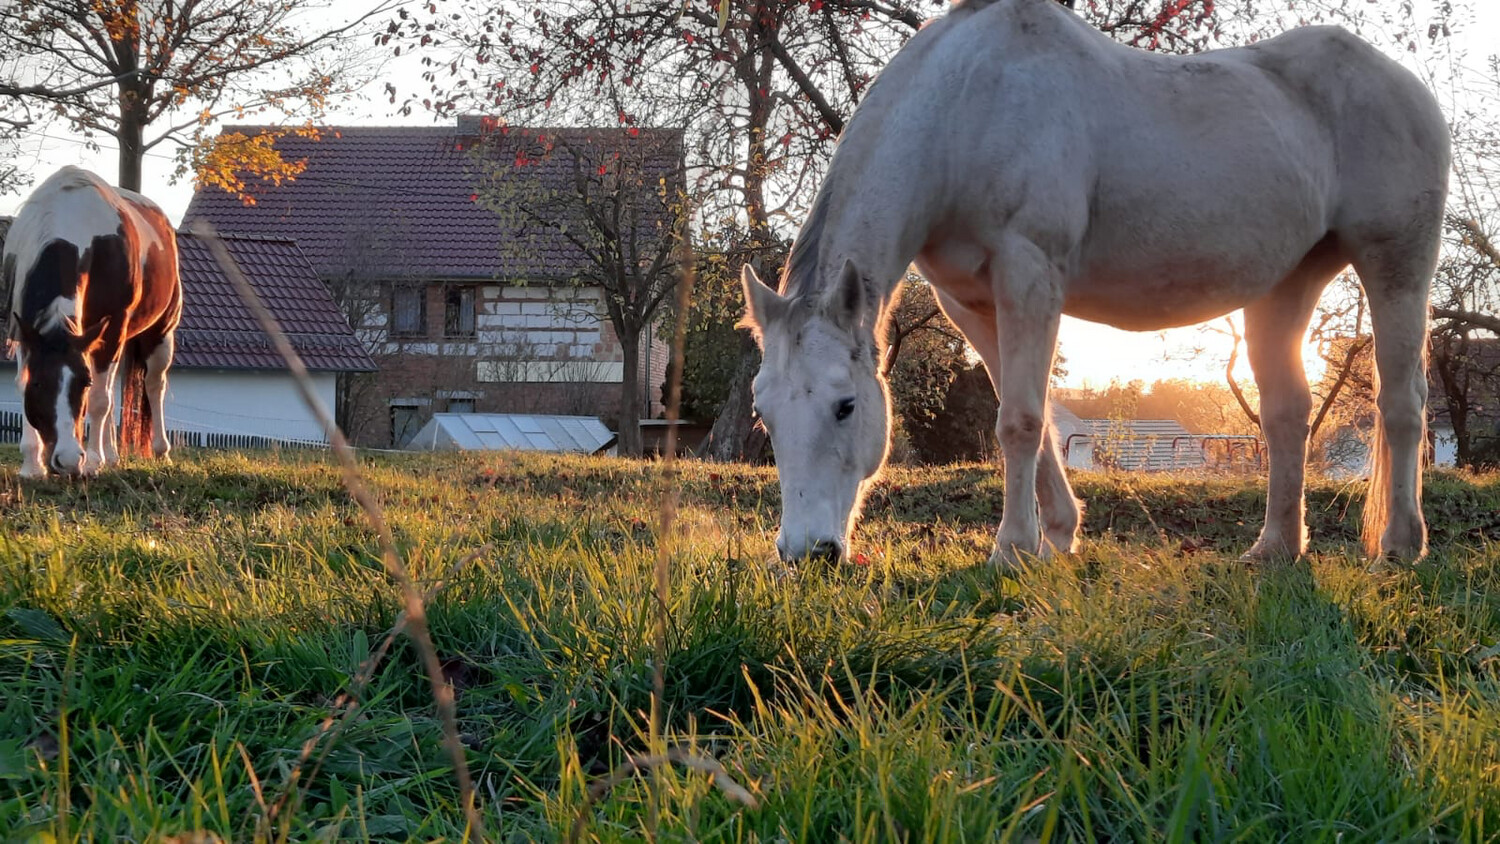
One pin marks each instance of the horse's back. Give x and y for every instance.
(71, 205)
(122, 241)
(1388, 129)
(1186, 185)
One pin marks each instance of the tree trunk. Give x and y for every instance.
(630, 394)
(131, 152)
(733, 434)
(134, 96)
(1448, 362)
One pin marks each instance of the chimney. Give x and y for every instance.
(478, 124)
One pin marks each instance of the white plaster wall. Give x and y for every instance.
(260, 403)
(257, 403)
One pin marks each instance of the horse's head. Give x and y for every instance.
(824, 403)
(54, 375)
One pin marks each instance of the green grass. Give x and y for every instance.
(171, 637)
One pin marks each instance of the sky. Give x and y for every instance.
(1094, 354)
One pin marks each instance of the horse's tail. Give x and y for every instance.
(1378, 496)
(135, 407)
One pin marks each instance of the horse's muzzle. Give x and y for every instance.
(66, 467)
(822, 550)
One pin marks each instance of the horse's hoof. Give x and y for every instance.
(1009, 562)
(1053, 545)
(1270, 554)
(1407, 546)
(32, 473)
(1387, 562)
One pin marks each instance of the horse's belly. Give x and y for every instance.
(1155, 302)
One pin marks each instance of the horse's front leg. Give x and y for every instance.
(32, 465)
(1061, 511)
(1274, 328)
(1062, 514)
(100, 450)
(1028, 297)
(157, 364)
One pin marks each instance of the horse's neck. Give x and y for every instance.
(878, 216)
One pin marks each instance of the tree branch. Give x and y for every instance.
(10, 89)
(1488, 322)
(808, 88)
(1475, 237)
(1234, 386)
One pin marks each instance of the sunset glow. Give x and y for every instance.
(1096, 354)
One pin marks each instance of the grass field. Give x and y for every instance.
(170, 638)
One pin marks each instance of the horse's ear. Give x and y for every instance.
(89, 338)
(847, 299)
(27, 333)
(762, 304)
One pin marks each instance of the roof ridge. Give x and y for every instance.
(257, 238)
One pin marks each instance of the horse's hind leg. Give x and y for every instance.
(1275, 327)
(158, 361)
(1396, 281)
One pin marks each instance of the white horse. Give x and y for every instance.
(1033, 167)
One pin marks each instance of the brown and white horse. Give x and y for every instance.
(92, 275)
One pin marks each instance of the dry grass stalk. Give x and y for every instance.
(663, 570)
(415, 614)
(650, 762)
(346, 705)
(670, 496)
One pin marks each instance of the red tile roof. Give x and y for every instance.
(404, 202)
(219, 332)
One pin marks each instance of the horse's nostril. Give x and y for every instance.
(827, 550)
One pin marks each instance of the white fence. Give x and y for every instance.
(10, 432)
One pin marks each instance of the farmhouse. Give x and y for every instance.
(461, 311)
(227, 385)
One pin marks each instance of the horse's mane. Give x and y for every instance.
(800, 274)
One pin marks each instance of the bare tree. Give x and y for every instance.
(619, 207)
(145, 72)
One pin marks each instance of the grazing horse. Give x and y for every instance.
(1033, 167)
(92, 275)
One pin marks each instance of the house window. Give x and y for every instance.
(458, 312)
(408, 311)
(460, 405)
(405, 420)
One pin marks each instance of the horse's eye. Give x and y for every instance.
(844, 410)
